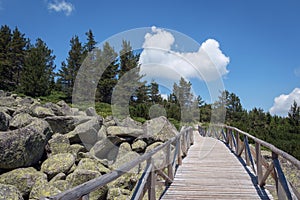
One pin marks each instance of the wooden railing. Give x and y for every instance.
(238, 142)
(148, 180)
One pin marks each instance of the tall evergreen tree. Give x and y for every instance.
(18, 49)
(155, 96)
(294, 118)
(108, 59)
(6, 71)
(91, 43)
(38, 73)
(68, 72)
(129, 79)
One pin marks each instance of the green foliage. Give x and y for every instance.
(12, 57)
(37, 75)
(67, 73)
(54, 97)
(103, 109)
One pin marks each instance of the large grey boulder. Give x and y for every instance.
(65, 124)
(122, 131)
(22, 178)
(91, 112)
(9, 192)
(93, 165)
(129, 122)
(104, 150)
(139, 146)
(59, 144)
(42, 188)
(81, 176)
(26, 101)
(59, 163)
(25, 146)
(4, 121)
(8, 101)
(159, 130)
(56, 109)
(41, 112)
(86, 132)
(20, 120)
(65, 108)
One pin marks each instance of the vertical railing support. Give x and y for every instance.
(151, 181)
(169, 163)
(259, 172)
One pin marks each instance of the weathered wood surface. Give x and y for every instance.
(212, 171)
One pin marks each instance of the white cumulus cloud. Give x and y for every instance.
(160, 62)
(61, 6)
(282, 103)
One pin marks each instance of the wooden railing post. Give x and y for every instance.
(151, 181)
(169, 163)
(282, 187)
(179, 155)
(237, 143)
(258, 163)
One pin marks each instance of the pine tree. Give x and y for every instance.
(91, 43)
(6, 71)
(37, 74)
(155, 96)
(18, 49)
(68, 72)
(109, 77)
(294, 118)
(129, 80)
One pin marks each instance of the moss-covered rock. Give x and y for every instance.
(159, 129)
(125, 157)
(22, 178)
(62, 185)
(42, 188)
(86, 132)
(139, 146)
(9, 192)
(104, 149)
(118, 194)
(25, 146)
(59, 163)
(121, 131)
(59, 144)
(59, 176)
(41, 112)
(160, 157)
(102, 134)
(65, 124)
(91, 111)
(4, 121)
(20, 120)
(80, 176)
(126, 181)
(92, 164)
(76, 149)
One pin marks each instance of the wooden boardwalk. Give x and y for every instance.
(212, 171)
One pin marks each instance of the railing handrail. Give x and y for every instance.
(234, 141)
(89, 186)
(273, 148)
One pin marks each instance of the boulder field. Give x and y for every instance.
(46, 149)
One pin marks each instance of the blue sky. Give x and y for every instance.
(261, 38)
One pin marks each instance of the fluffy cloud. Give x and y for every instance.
(160, 62)
(282, 103)
(61, 6)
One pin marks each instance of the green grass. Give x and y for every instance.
(103, 109)
(54, 97)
